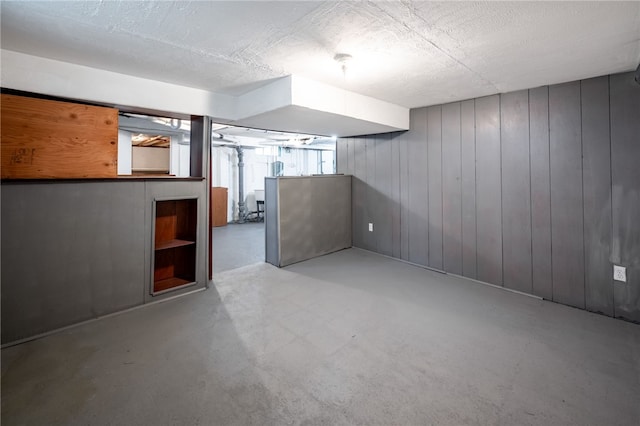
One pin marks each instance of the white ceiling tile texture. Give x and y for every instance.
(404, 52)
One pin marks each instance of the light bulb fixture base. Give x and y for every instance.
(343, 59)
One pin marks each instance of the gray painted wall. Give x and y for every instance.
(536, 190)
(271, 232)
(311, 216)
(72, 251)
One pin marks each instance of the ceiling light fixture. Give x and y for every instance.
(343, 59)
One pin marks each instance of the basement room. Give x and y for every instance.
(320, 213)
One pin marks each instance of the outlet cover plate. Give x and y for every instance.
(371, 227)
(620, 273)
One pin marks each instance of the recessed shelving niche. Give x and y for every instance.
(175, 243)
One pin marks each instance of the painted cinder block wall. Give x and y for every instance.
(536, 190)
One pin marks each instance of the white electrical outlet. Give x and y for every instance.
(371, 227)
(620, 273)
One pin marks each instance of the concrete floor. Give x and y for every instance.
(348, 338)
(237, 245)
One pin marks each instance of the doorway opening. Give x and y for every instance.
(153, 145)
(241, 158)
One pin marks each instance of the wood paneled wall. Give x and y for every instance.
(51, 139)
(536, 191)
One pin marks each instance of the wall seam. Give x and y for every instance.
(530, 191)
(148, 273)
(550, 198)
(374, 207)
(396, 142)
(475, 183)
(584, 257)
(366, 191)
(613, 293)
(501, 191)
(408, 183)
(442, 194)
(426, 141)
(460, 185)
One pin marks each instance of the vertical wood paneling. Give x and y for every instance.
(516, 190)
(468, 163)
(403, 150)
(418, 196)
(566, 194)
(342, 158)
(396, 139)
(625, 168)
(351, 153)
(596, 166)
(451, 189)
(359, 196)
(348, 153)
(434, 176)
(372, 193)
(516, 195)
(540, 192)
(488, 190)
(383, 175)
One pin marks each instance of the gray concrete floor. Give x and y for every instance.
(348, 338)
(237, 245)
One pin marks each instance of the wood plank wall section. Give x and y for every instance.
(488, 190)
(418, 205)
(596, 175)
(536, 190)
(624, 97)
(516, 191)
(45, 139)
(451, 189)
(567, 245)
(434, 185)
(468, 172)
(540, 192)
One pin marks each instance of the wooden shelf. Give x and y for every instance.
(169, 283)
(173, 244)
(174, 260)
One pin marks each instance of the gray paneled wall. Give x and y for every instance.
(536, 190)
(468, 187)
(72, 251)
(488, 190)
(624, 107)
(565, 154)
(516, 191)
(309, 216)
(434, 185)
(451, 189)
(540, 192)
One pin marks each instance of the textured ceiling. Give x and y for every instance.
(408, 53)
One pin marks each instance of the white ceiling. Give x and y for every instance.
(404, 52)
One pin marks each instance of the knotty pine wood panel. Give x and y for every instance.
(45, 139)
